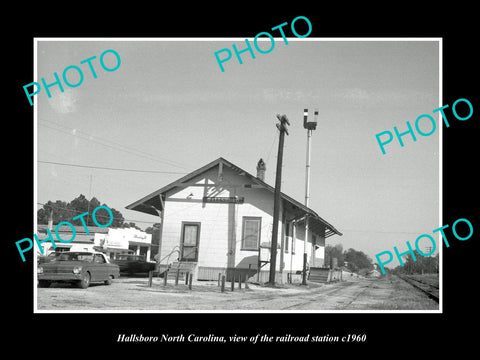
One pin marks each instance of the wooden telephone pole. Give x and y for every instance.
(282, 126)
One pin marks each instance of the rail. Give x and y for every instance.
(430, 290)
(170, 254)
(177, 250)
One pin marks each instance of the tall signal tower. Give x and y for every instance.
(310, 126)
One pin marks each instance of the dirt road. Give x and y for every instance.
(128, 294)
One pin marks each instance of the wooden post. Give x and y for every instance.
(186, 277)
(240, 280)
(219, 278)
(177, 275)
(190, 281)
(165, 276)
(223, 283)
(150, 275)
(277, 197)
(259, 264)
(233, 280)
(304, 271)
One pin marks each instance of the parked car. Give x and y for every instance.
(80, 267)
(41, 259)
(133, 264)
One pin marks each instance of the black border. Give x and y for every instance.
(386, 333)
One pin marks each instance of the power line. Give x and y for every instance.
(382, 232)
(109, 168)
(115, 147)
(102, 141)
(271, 146)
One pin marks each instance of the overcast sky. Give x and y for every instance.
(169, 108)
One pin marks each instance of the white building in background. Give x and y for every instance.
(83, 240)
(124, 240)
(95, 238)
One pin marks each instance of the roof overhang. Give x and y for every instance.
(153, 203)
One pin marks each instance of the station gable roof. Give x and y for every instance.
(153, 203)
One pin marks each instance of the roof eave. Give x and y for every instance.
(150, 209)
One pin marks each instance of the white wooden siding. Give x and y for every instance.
(221, 224)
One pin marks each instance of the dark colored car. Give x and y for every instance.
(45, 259)
(79, 267)
(133, 264)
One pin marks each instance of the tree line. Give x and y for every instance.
(357, 261)
(60, 211)
(65, 211)
(422, 264)
(353, 260)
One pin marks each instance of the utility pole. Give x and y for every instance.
(310, 126)
(50, 227)
(89, 195)
(429, 260)
(50, 220)
(282, 126)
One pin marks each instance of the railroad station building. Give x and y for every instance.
(219, 219)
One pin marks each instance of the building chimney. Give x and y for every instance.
(261, 167)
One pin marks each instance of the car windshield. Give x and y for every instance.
(129, 257)
(73, 256)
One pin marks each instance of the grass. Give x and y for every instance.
(403, 297)
(432, 279)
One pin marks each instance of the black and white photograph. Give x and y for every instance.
(187, 159)
(241, 180)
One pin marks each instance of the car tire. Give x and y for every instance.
(85, 282)
(109, 281)
(43, 283)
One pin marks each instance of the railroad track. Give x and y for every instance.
(430, 290)
(426, 283)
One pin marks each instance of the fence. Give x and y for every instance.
(234, 277)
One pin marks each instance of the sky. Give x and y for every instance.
(169, 109)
